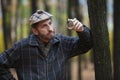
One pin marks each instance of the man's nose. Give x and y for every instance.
(50, 28)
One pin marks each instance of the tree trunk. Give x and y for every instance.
(116, 40)
(69, 32)
(15, 21)
(98, 22)
(78, 10)
(34, 6)
(3, 22)
(34, 9)
(6, 22)
(47, 5)
(69, 12)
(79, 16)
(74, 12)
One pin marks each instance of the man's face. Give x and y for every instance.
(45, 30)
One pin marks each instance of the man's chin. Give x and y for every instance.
(51, 36)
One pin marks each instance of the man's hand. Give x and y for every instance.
(78, 26)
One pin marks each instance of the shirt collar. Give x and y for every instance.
(33, 40)
(55, 40)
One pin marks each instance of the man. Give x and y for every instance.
(42, 56)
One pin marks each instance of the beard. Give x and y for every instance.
(45, 38)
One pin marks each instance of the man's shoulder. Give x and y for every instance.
(24, 41)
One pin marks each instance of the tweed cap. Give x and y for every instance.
(38, 16)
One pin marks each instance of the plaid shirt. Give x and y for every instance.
(31, 63)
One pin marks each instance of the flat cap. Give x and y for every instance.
(38, 16)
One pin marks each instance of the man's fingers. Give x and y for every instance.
(78, 26)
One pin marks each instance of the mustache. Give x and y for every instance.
(51, 32)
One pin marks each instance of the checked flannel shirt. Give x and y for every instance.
(31, 63)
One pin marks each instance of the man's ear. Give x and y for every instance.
(34, 30)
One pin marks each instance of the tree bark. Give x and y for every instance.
(79, 16)
(34, 6)
(69, 32)
(98, 22)
(6, 22)
(34, 9)
(47, 6)
(116, 53)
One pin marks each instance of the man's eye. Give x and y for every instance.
(50, 23)
(44, 26)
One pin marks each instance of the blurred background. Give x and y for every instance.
(14, 25)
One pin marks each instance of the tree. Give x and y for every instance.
(5, 7)
(69, 13)
(79, 16)
(98, 23)
(47, 5)
(34, 9)
(34, 6)
(74, 11)
(116, 47)
(15, 18)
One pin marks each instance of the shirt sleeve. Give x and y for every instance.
(78, 45)
(8, 60)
